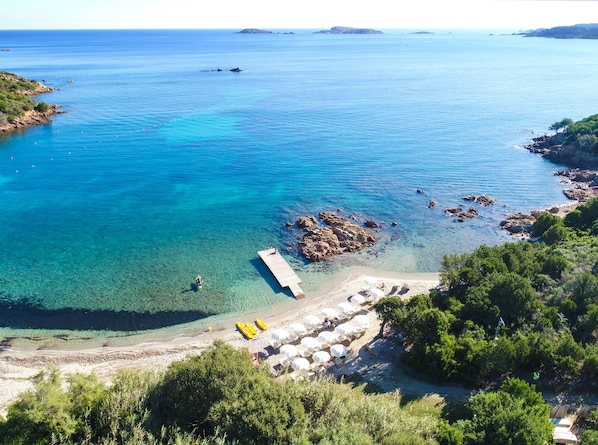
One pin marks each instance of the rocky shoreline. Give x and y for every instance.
(582, 175)
(33, 117)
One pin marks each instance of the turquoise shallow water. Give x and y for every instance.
(163, 167)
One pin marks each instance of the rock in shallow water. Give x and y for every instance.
(335, 238)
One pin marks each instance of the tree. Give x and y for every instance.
(562, 124)
(264, 413)
(40, 414)
(191, 387)
(515, 414)
(544, 222)
(587, 141)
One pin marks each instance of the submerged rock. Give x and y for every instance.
(461, 214)
(483, 200)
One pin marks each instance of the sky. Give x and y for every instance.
(295, 14)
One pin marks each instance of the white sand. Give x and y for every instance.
(17, 367)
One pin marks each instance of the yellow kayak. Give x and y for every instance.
(263, 326)
(241, 327)
(251, 328)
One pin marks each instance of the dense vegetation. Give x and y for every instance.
(513, 309)
(14, 97)
(584, 133)
(221, 397)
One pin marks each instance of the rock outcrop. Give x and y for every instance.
(520, 224)
(482, 200)
(31, 118)
(555, 149)
(461, 214)
(335, 237)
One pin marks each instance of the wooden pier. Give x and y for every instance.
(281, 270)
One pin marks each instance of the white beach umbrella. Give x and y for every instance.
(329, 313)
(312, 321)
(347, 308)
(298, 328)
(370, 281)
(289, 351)
(361, 320)
(357, 299)
(321, 357)
(346, 329)
(327, 337)
(280, 335)
(300, 364)
(311, 343)
(376, 293)
(338, 350)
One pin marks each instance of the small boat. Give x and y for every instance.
(243, 328)
(260, 324)
(251, 328)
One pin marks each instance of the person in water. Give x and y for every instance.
(199, 281)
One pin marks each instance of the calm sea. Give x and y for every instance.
(164, 167)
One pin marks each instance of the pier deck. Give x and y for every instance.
(281, 270)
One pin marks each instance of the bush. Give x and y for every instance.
(41, 107)
(544, 222)
(515, 414)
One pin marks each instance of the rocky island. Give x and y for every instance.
(17, 109)
(260, 31)
(348, 30)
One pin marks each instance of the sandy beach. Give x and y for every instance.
(17, 367)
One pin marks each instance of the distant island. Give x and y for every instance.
(17, 109)
(260, 31)
(581, 31)
(348, 30)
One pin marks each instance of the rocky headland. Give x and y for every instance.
(580, 31)
(348, 30)
(31, 118)
(337, 235)
(582, 175)
(36, 116)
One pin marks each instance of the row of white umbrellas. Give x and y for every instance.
(315, 346)
(291, 351)
(310, 323)
(302, 364)
(298, 330)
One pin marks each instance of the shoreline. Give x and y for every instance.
(33, 118)
(18, 366)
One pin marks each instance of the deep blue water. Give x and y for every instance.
(163, 167)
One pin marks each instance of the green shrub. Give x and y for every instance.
(42, 107)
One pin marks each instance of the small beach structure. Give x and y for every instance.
(281, 270)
